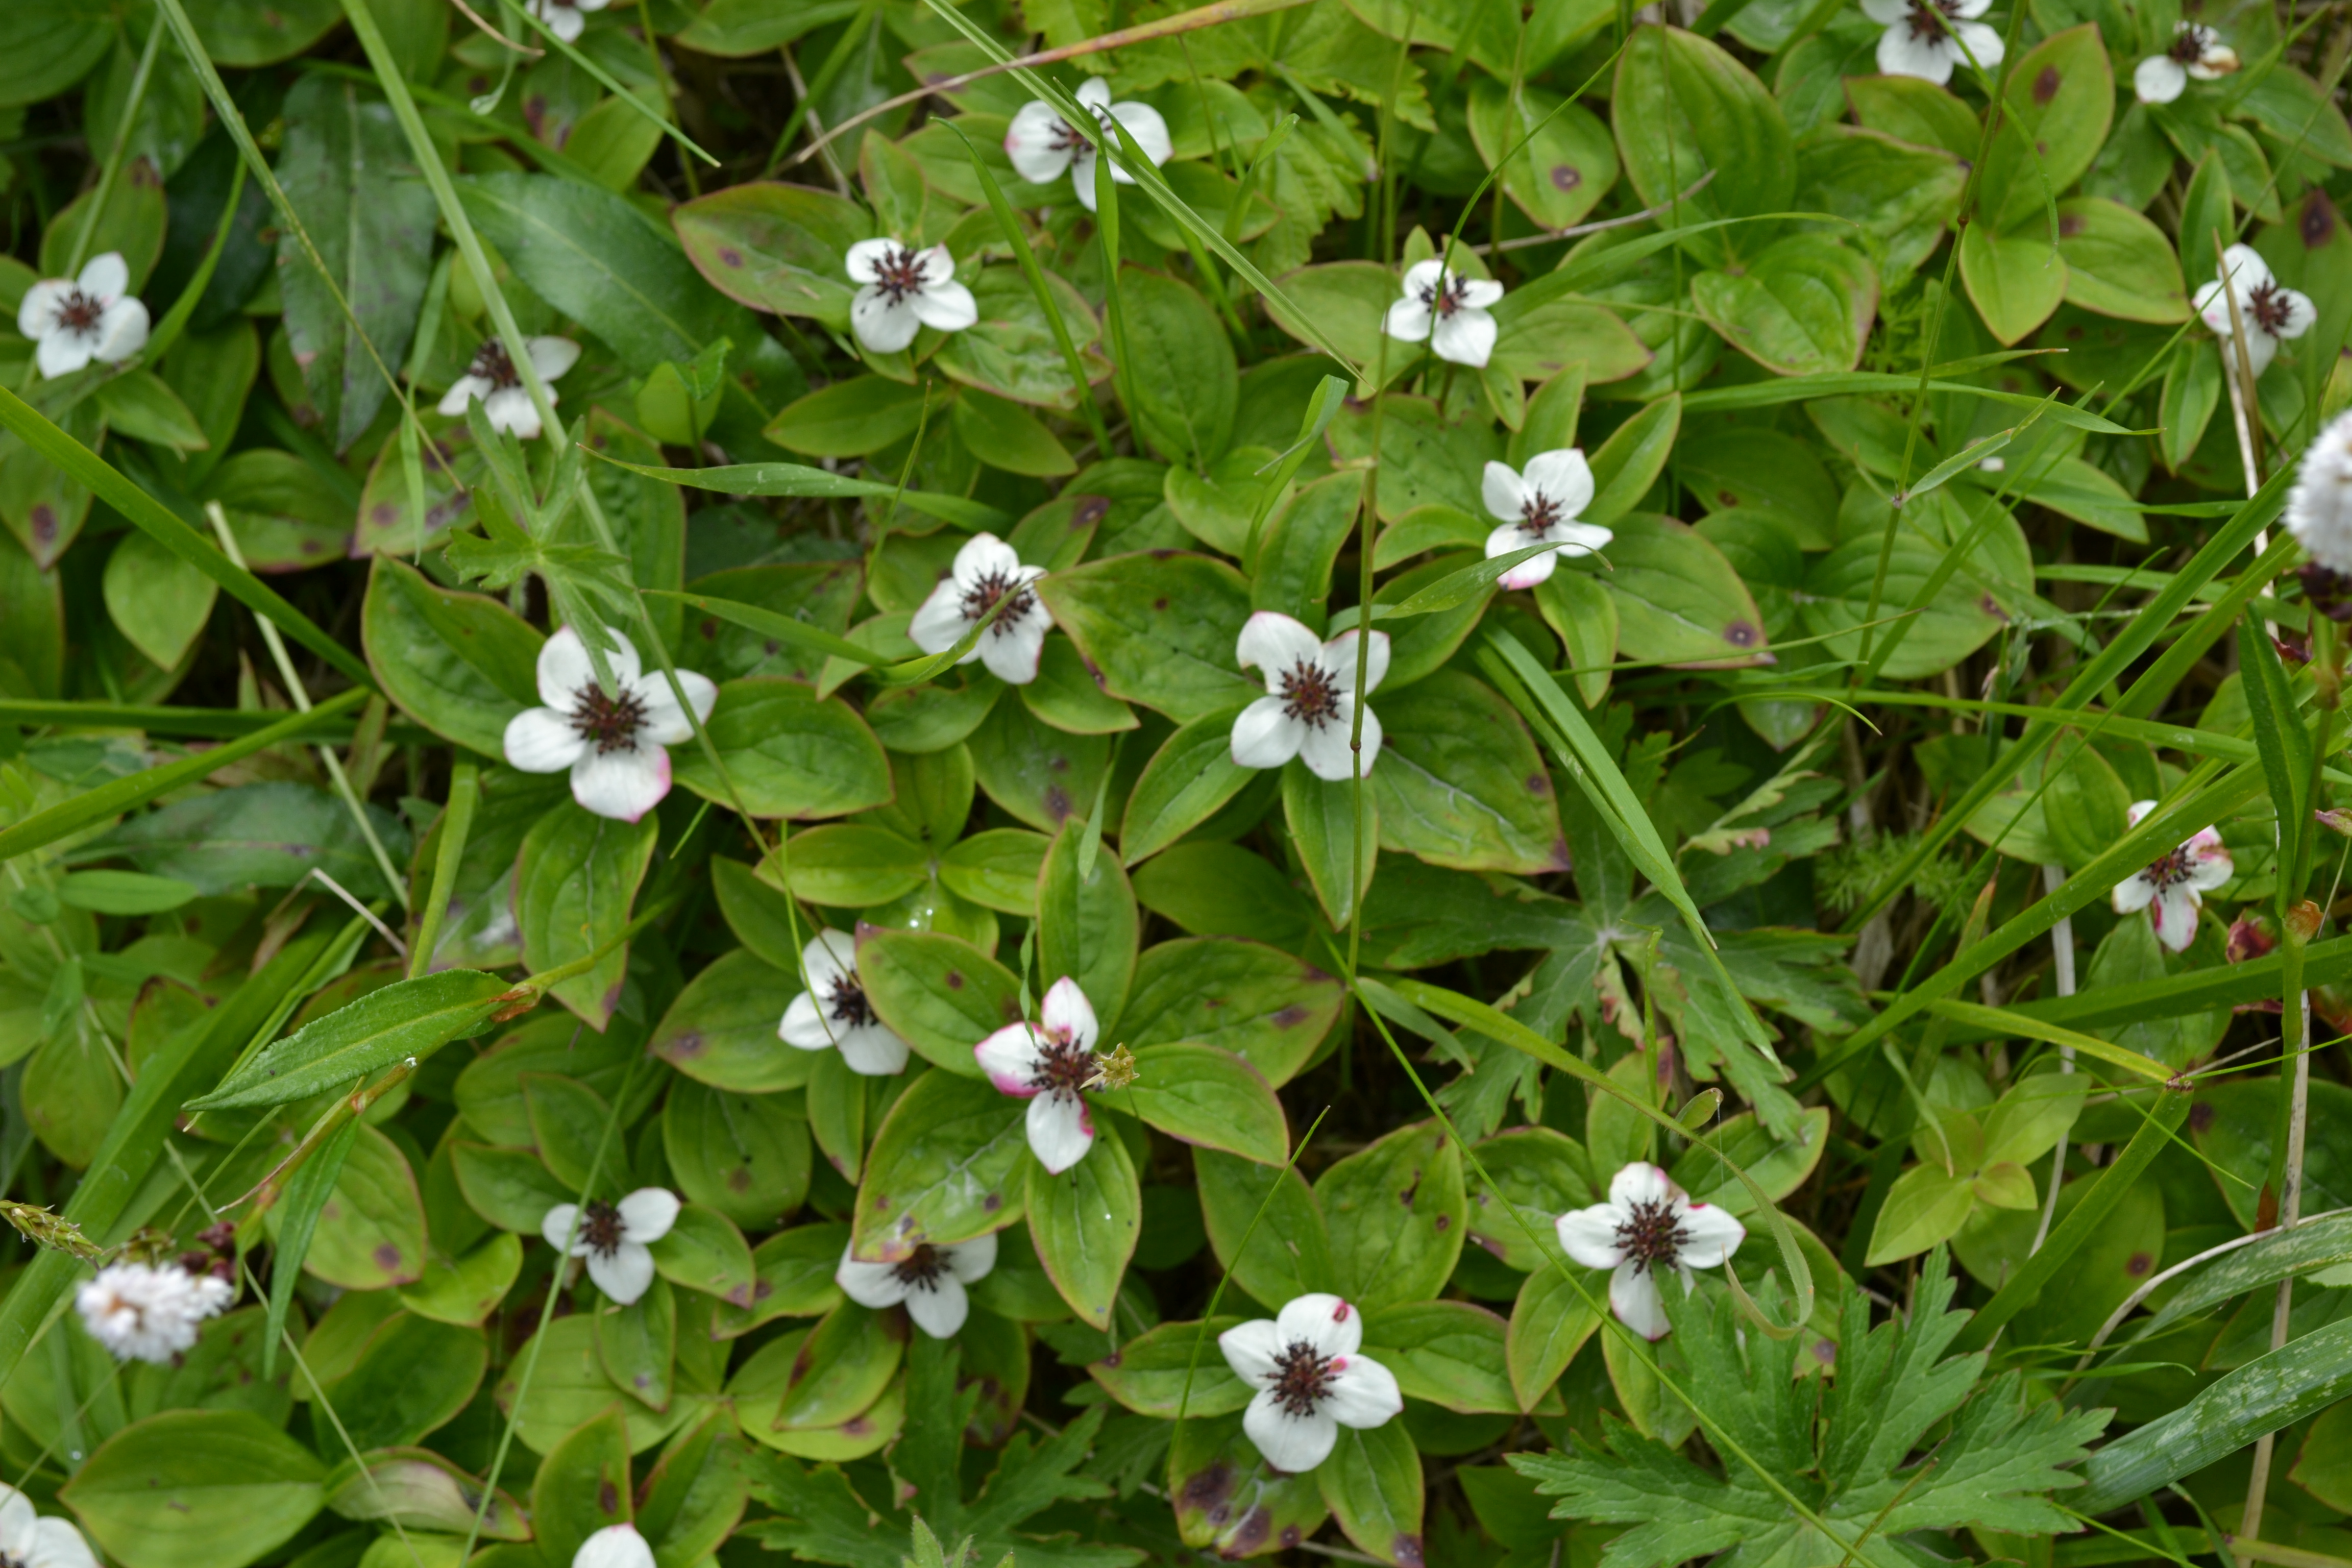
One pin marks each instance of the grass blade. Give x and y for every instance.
(797, 480)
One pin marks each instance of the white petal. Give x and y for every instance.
(1082, 176)
(1634, 1297)
(1362, 1393)
(614, 1546)
(2245, 268)
(2134, 892)
(1151, 132)
(1639, 1182)
(1585, 538)
(1714, 1234)
(1407, 320)
(1264, 736)
(1466, 337)
(510, 409)
(1034, 143)
(2209, 865)
(948, 305)
(36, 315)
(1328, 749)
(1588, 1236)
(1423, 276)
(560, 1224)
(1009, 1058)
(2217, 61)
(938, 1306)
(874, 1285)
(1505, 538)
(872, 1050)
(1254, 1350)
(552, 356)
(62, 352)
(463, 391)
(16, 1520)
(1276, 644)
(2300, 313)
(983, 556)
(2158, 80)
(57, 1544)
(122, 332)
(564, 21)
(1093, 93)
(972, 1260)
(1339, 656)
(563, 670)
(1902, 53)
(1504, 492)
(542, 740)
(1293, 1443)
(648, 1214)
(625, 1274)
(830, 956)
(1562, 478)
(938, 624)
(803, 1025)
(2173, 913)
(665, 723)
(622, 786)
(937, 266)
(1010, 649)
(2136, 812)
(620, 656)
(1061, 1131)
(1067, 1014)
(1480, 293)
(105, 276)
(1982, 42)
(882, 323)
(2261, 349)
(865, 259)
(1330, 1324)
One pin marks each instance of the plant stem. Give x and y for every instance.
(2062, 954)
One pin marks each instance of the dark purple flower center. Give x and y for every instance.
(611, 723)
(983, 595)
(1932, 19)
(1652, 1235)
(1310, 693)
(2169, 871)
(1447, 295)
(1064, 1066)
(2268, 304)
(79, 313)
(922, 1267)
(1537, 513)
(495, 365)
(601, 1229)
(848, 1005)
(900, 274)
(1067, 137)
(1301, 1378)
(2189, 45)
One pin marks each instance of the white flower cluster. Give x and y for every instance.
(147, 1313)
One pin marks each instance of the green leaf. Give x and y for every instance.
(143, 407)
(577, 878)
(1155, 1373)
(1801, 306)
(420, 1490)
(1905, 190)
(939, 994)
(1086, 925)
(721, 1030)
(947, 1165)
(847, 419)
(1459, 782)
(1450, 1353)
(1160, 629)
(744, 1155)
(1373, 1485)
(583, 1485)
(2118, 263)
(705, 1252)
(2014, 281)
(407, 1019)
(2085, 803)
(1289, 1251)
(508, 1187)
(789, 754)
(196, 1488)
(2060, 97)
(1924, 1208)
(1189, 779)
(1683, 108)
(122, 892)
(1678, 600)
(1227, 1499)
(1396, 1215)
(414, 1376)
(1562, 160)
(460, 664)
(793, 479)
(1012, 351)
(1265, 1005)
(260, 834)
(1550, 1321)
(776, 247)
(1180, 371)
(1300, 542)
(1084, 1223)
(1208, 1097)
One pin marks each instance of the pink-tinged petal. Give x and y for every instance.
(1254, 1350)
(1639, 1182)
(648, 1212)
(1531, 572)
(37, 313)
(1011, 647)
(1328, 750)
(621, 785)
(1714, 1234)
(2159, 79)
(557, 1229)
(2137, 813)
(105, 278)
(1275, 644)
(1634, 1297)
(614, 1546)
(1067, 1015)
(122, 332)
(1362, 1393)
(2133, 893)
(872, 1050)
(1330, 1324)
(623, 1274)
(938, 624)
(1407, 321)
(2208, 868)
(803, 1025)
(1061, 1131)
(63, 352)
(972, 1261)
(874, 1285)
(1151, 132)
(938, 1306)
(1563, 478)
(1294, 1444)
(1505, 493)
(865, 260)
(2212, 303)
(541, 741)
(946, 305)
(2173, 913)
(1588, 1236)
(1466, 337)
(1009, 1058)
(552, 356)
(1035, 143)
(884, 324)
(1264, 736)
(1339, 655)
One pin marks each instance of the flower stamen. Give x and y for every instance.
(1311, 694)
(1301, 1378)
(1652, 1235)
(981, 598)
(611, 723)
(601, 1229)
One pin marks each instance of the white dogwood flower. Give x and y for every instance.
(1043, 146)
(565, 18)
(2173, 888)
(1648, 1227)
(613, 745)
(929, 1282)
(987, 572)
(2197, 51)
(833, 1011)
(612, 1238)
(1923, 37)
(1541, 507)
(493, 378)
(1309, 709)
(74, 320)
(905, 290)
(1049, 1063)
(28, 1540)
(2272, 311)
(1449, 311)
(614, 1546)
(1309, 1380)
(147, 1313)
(2319, 508)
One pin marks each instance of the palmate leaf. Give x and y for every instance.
(1853, 1467)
